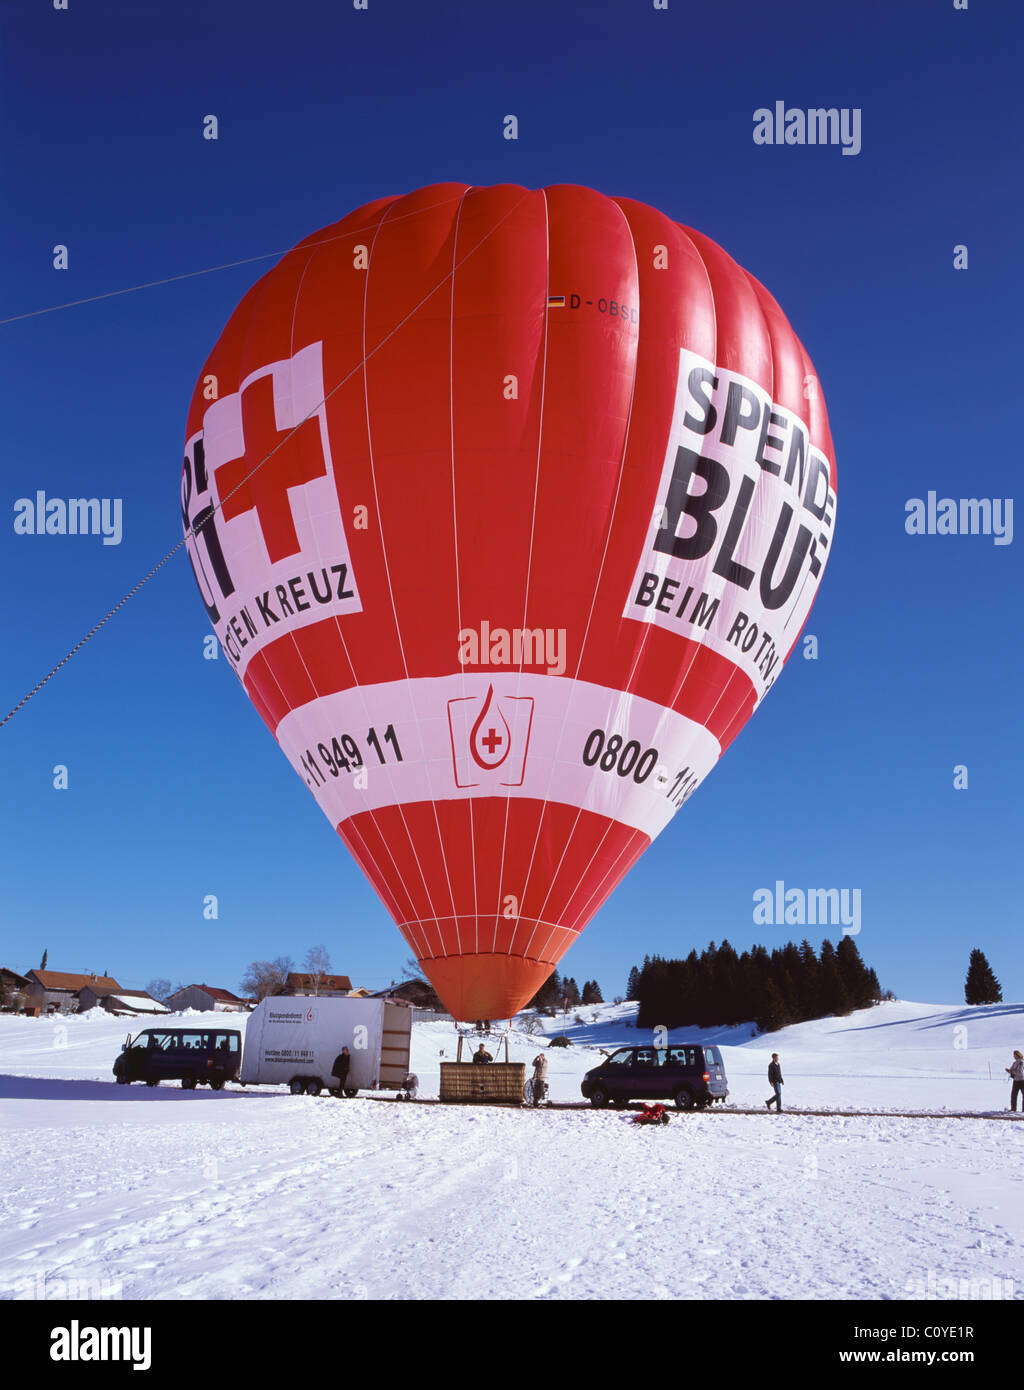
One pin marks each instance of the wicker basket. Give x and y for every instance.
(494, 1081)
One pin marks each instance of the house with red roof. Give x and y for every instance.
(54, 991)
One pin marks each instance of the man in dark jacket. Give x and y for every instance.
(482, 1055)
(340, 1069)
(775, 1081)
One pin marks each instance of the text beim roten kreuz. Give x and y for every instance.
(247, 543)
(707, 571)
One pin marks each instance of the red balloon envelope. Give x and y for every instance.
(507, 507)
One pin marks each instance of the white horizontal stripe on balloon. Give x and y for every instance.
(474, 735)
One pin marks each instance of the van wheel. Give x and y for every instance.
(188, 1083)
(599, 1097)
(620, 1103)
(684, 1099)
(217, 1085)
(351, 1091)
(296, 1085)
(152, 1081)
(313, 1087)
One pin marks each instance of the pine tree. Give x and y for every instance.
(981, 985)
(787, 971)
(808, 983)
(654, 995)
(42, 963)
(832, 996)
(549, 994)
(718, 987)
(633, 983)
(772, 1013)
(860, 988)
(727, 983)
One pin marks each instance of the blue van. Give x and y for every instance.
(194, 1056)
(690, 1074)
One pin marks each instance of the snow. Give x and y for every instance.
(163, 1193)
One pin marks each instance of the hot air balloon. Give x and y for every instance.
(507, 507)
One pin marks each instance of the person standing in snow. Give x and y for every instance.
(340, 1069)
(1015, 1071)
(540, 1077)
(776, 1083)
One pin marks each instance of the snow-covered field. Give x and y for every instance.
(161, 1193)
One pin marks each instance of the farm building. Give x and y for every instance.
(55, 991)
(128, 1002)
(206, 997)
(12, 989)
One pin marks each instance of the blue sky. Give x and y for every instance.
(843, 778)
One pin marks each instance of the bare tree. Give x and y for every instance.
(266, 977)
(317, 965)
(159, 989)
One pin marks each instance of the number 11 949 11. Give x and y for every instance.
(343, 754)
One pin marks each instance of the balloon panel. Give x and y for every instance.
(508, 508)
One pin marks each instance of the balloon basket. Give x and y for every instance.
(494, 1083)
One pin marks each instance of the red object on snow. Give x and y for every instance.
(651, 1115)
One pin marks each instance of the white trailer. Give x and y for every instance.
(292, 1040)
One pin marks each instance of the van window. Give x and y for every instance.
(713, 1056)
(193, 1042)
(620, 1058)
(646, 1057)
(226, 1042)
(683, 1057)
(158, 1042)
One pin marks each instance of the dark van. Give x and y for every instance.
(189, 1055)
(690, 1074)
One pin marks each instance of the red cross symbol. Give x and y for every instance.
(492, 740)
(298, 461)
